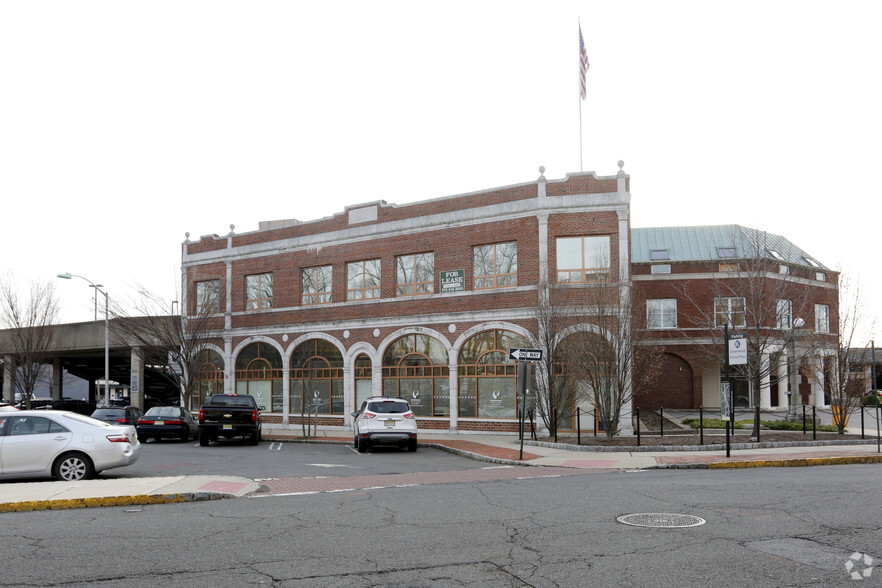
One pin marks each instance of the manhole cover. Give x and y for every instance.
(660, 519)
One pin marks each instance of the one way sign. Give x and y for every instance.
(525, 354)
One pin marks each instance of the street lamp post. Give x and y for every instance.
(67, 276)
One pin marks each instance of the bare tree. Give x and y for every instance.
(757, 298)
(32, 329)
(610, 362)
(553, 396)
(846, 386)
(171, 345)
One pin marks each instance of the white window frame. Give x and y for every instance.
(822, 318)
(729, 312)
(784, 314)
(661, 313)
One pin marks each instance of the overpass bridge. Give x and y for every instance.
(79, 350)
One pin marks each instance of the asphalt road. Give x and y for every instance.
(764, 527)
(278, 459)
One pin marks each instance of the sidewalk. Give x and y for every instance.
(498, 449)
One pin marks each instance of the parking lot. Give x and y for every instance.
(275, 459)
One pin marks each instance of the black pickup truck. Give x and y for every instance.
(228, 416)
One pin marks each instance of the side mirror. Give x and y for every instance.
(261, 408)
(355, 413)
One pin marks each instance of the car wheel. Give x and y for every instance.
(71, 467)
(355, 441)
(255, 438)
(412, 445)
(362, 446)
(204, 439)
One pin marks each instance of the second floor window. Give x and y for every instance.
(586, 259)
(495, 266)
(661, 313)
(208, 297)
(258, 291)
(363, 279)
(822, 318)
(315, 283)
(784, 314)
(729, 311)
(415, 274)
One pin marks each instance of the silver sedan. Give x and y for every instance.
(61, 444)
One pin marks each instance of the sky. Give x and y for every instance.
(125, 125)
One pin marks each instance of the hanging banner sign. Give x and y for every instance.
(738, 350)
(725, 401)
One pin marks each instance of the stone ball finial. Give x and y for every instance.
(621, 165)
(541, 172)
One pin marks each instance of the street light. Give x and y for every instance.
(97, 287)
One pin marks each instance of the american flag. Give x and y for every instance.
(583, 65)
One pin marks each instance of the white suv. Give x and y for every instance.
(388, 421)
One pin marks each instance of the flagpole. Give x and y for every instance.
(581, 168)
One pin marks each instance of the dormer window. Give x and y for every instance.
(811, 262)
(776, 255)
(726, 252)
(656, 254)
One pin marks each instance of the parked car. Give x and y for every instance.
(167, 421)
(6, 407)
(387, 421)
(124, 415)
(63, 445)
(228, 416)
(83, 407)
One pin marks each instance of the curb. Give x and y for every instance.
(137, 499)
(774, 463)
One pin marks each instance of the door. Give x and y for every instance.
(31, 443)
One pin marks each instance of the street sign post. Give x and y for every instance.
(525, 354)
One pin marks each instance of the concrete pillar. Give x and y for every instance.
(453, 361)
(765, 384)
(229, 366)
(9, 379)
(136, 382)
(57, 392)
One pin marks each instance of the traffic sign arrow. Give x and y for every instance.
(525, 354)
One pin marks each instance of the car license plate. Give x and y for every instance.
(227, 426)
(158, 422)
(390, 424)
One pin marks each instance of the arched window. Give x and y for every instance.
(209, 378)
(316, 378)
(416, 368)
(487, 377)
(259, 373)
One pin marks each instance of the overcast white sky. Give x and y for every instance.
(124, 125)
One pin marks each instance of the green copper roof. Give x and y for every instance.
(714, 243)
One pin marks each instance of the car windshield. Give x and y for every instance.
(168, 411)
(240, 401)
(387, 406)
(108, 413)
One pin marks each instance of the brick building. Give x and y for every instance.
(422, 300)
(694, 280)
